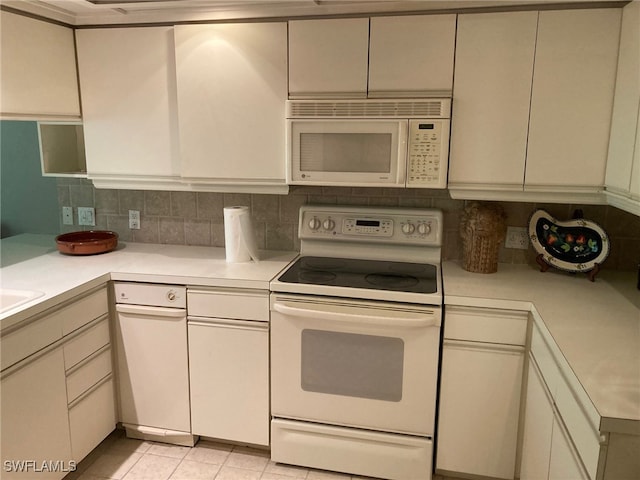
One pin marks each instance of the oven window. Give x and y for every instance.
(347, 364)
(345, 152)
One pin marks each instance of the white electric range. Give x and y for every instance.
(355, 341)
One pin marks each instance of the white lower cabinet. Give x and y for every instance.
(35, 429)
(538, 424)
(564, 462)
(90, 391)
(229, 364)
(58, 399)
(91, 418)
(548, 452)
(480, 391)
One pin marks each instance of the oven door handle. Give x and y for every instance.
(398, 318)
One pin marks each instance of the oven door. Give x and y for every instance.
(347, 152)
(357, 363)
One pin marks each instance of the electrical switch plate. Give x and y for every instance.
(67, 215)
(134, 219)
(517, 237)
(86, 216)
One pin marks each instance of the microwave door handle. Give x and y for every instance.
(430, 319)
(403, 153)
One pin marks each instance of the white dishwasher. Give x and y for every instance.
(153, 364)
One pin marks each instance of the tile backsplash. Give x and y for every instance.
(190, 218)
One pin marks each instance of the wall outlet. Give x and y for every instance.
(67, 215)
(134, 219)
(517, 237)
(86, 216)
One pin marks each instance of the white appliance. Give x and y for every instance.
(355, 341)
(152, 357)
(383, 143)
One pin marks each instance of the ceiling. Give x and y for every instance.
(99, 12)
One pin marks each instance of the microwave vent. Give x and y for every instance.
(428, 108)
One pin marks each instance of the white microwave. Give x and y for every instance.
(368, 143)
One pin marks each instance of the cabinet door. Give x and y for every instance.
(494, 68)
(634, 189)
(38, 66)
(232, 88)
(328, 57)
(411, 56)
(229, 376)
(564, 462)
(479, 408)
(626, 102)
(127, 82)
(35, 422)
(623, 162)
(572, 98)
(538, 423)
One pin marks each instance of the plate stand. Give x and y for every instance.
(591, 274)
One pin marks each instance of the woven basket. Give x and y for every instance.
(482, 228)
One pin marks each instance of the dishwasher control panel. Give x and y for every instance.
(152, 294)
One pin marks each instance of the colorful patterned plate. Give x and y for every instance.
(572, 245)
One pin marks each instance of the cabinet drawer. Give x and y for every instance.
(83, 311)
(91, 419)
(87, 375)
(86, 343)
(26, 340)
(486, 325)
(231, 303)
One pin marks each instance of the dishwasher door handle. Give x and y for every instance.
(151, 311)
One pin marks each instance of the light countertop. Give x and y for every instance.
(31, 265)
(596, 325)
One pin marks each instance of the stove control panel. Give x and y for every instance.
(384, 225)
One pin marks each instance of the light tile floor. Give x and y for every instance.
(122, 458)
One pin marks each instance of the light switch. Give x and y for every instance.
(86, 216)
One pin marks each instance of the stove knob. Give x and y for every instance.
(408, 228)
(424, 229)
(314, 223)
(328, 224)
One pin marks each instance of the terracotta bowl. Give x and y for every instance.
(87, 243)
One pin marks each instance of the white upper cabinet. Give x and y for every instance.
(494, 70)
(572, 98)
(623, 163)
(127, 82)
(328, 57)
(532, 105)
(411, 56)
(404, 56)
(38, 69)
(232, 88)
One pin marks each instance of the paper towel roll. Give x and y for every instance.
(239, 238)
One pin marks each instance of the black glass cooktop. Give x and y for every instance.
(356, 273)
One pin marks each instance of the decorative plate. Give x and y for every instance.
(573, 245)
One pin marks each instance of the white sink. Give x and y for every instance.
(12, 298)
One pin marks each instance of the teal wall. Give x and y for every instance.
(28, 201)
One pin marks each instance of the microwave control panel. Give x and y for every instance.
(428, 153)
